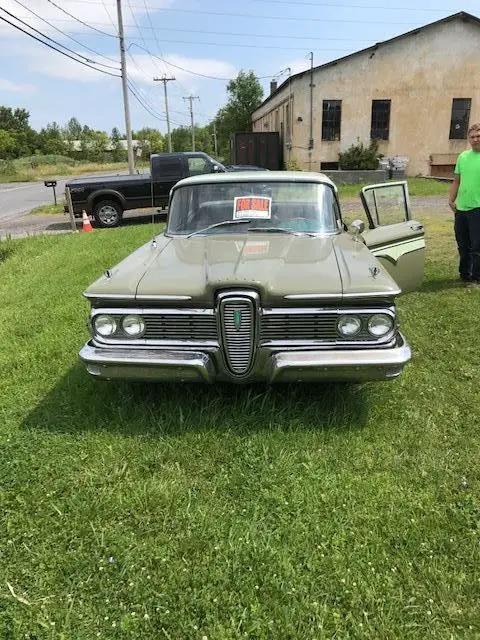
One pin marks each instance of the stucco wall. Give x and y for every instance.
(420, 74)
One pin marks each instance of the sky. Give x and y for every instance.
(185, 40)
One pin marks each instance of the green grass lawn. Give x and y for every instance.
(190, 512)
(47, 209)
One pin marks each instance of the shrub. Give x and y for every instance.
(359, 157)
(7, 168)
(292, 165)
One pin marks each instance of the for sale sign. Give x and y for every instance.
(258, 207)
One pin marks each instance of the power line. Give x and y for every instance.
(67, 36)
(244, 15)
(15, 26)
(85, 24)
(256, 35)
(194, 73)
(248, 46)
(270, 17)
(148, 108)
(141, 33)
(311, 4)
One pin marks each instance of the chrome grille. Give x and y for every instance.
(296, 326)
(306, 327)
(180, 326)
(237, 317)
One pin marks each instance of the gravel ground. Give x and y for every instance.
(29, 225)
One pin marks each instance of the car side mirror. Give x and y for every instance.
(357, 228)
(216, 168)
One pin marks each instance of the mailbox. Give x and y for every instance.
(51, 183)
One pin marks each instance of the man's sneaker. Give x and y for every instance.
(473, 284)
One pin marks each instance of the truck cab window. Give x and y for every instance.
(170, 167)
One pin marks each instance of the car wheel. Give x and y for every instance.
(108, 213)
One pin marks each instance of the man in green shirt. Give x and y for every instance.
(464, 200)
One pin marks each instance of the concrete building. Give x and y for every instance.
(416, 94)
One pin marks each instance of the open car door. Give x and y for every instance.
(394, 239)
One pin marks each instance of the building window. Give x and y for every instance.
(380, 127)
(460, 118)
(331, 118)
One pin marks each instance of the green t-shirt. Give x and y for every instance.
(468, 168)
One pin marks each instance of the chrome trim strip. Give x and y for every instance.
(108, 296)
(340, 296)
(374, 294)
(162, 297)
(132, 296)
(152, 311)
(314, 296)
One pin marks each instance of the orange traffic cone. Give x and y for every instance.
(86, 224)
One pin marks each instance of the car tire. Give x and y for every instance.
(108, 213)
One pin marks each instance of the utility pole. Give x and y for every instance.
(123, 66)
(310, 141)
(165, 80)
(215, 138)
(191, 99)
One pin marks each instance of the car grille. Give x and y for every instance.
(284, 327)
(237, 316)
(299, 326)
(180, 326)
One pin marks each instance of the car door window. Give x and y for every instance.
(386, 204)
(197, 166)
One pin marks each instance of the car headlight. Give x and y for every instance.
(379, 325)
(349, 326)
(105, 325)
(133, 326)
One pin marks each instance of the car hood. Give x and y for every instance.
(275, 265)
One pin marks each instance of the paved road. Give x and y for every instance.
(18, 198)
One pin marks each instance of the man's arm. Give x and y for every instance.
(452, 196)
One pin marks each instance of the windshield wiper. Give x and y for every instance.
(279, 230)
(218, 224)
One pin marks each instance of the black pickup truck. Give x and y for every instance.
(107, 197)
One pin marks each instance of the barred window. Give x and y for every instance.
(460, 118)
(331, 119)
(380, 126)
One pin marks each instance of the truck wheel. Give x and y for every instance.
(108, 213)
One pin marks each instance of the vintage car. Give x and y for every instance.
(257, 278)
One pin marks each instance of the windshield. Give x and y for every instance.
(238, 207)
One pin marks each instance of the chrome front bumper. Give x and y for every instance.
(123, 363)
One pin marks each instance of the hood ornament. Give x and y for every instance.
(374, 271)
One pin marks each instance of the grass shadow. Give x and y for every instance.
(78, 403)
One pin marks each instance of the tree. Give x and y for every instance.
(149, 141)
(245, 95)
(51, 140)
(118, 152)
(8, 144)
(15, 121)
(98, 144)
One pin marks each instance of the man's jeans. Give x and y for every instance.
(467, 234)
